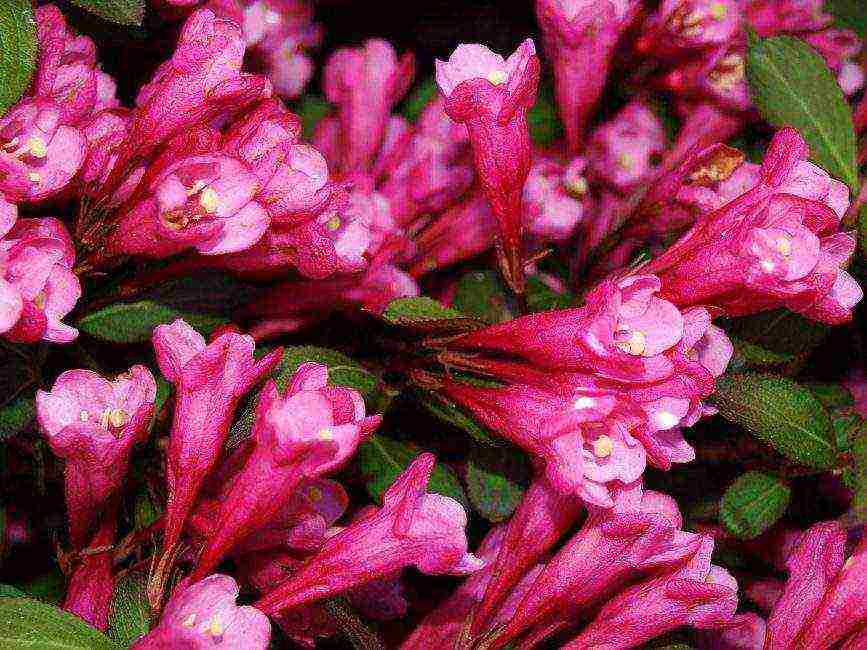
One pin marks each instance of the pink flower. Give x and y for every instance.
(680, 25)
(365, 83)
(555, 200)
(210, 380)
(91, 588)
(693, 592)
(770, 247)
(411, 528)
(39, 155)
(204, 616)
(491, 97)
(772, 17)
(106, 132)
(812, 567)
(580, 37)
(310, 431)
(611, 548)
(541, 519)
(93, 423)
(206, 202)
(625, 151)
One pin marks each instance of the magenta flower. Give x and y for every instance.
(204, 202)
(580, 37)
(411, 528)
(204, 615)
(92, 423)
(680, 25)
(105, 134)
(365, 83)
(625, 151)
(693, 592)
(612, 547)
(210, 379)
(555, 200)
(777, 245)
(491, 96)
(91, 588)
(541, 519)
(310, 431)
(39, 155)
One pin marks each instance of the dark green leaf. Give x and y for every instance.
(495, 480)
(422, 95)
(312, 109)
(857, 514)
(418, 309)
(11, 591)
(17, 50)
(48, 587)
(482, 295)
(135, 322)
(27, 623)
(17, 414)
(754, 503)
(792, 86)
(545, 125)
(381, 459)
(781, 413)
(130, 611)
(778, 336)
(832, 396)
(124, 12)
(455, 416)
(541, 297)
(849, 14)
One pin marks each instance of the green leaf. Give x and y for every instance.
(418, 309)
(135, 322)
(495, 480)
(754, 503)
(130, 610)
(452, 414)
(17, 414)
(381, 459)
(482, 295)
(791, 85)
(545, 125)
(775, 337)
(755, 356)
(857, 514)
(11, 591)
(541, 297)
(312, 109)
(17, 50)
(27, 623)
(781, 413)
(849, 14)
(832, 396)
(422, 95)
(124, 12)
(145, 511)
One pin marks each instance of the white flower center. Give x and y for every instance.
(497, 77)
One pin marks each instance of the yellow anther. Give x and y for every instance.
(333, 223)
(40, 299)
(626, 160)
(719, 11)
(209, 200)
(34, 177)
(784, 245)
(497, 77)
(314, 493)
(190, 620)
(37, 147)
(578, 187)
(114, 418)
(326, 434)
(215, 628)
(636, 344)
(84, 416)
(603, 446)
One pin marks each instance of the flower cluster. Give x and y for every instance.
(578, 304)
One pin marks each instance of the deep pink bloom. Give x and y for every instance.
(302, 435)
(105, 135)
(680, 25)
(210, 380)
(541, 519)
(580, 37)
(93, 423)
(719, 76)
(772, 17)
(625, 151)
(611, 549)
(39, 287)
(491, 96)
(365, 83)
(556, 199)
(206, 202)
(39, 155)
(777, 245)
(693, 592)
(812, 567)
(204, 615)
(443, 627)
(91, 588)
(412, 527)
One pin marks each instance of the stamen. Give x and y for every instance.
(603, 446)
(497, 77)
